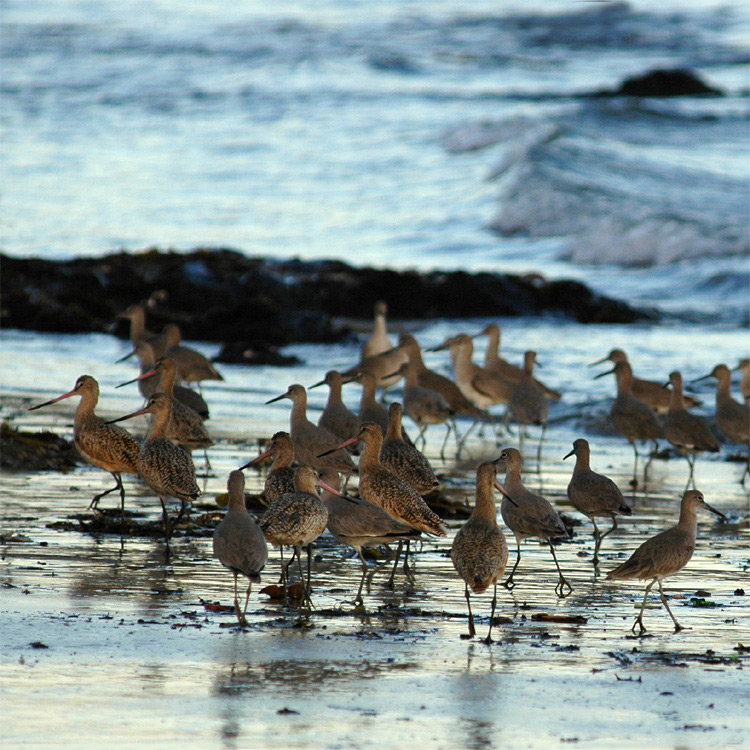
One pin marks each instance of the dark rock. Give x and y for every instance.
(243, 353)
(664, 83)
(223, 295)
(35, 451)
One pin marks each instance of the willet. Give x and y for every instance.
(280, 479)
(528, 405)
(594, 494)
(296, 519)
(136, 314)
(239, 543)
(381, 367)
(370, 410)
(360, 524)
(686, 432)
(529, 515)
(165, 467)
(633, 419)
(101, 444)
(379, 341)
(310, 440)
(744, 368)
(479, 552)
(336, 417)
(665, 554)
(192, 366)
(404, 460)
(650, 392)
(380, 486)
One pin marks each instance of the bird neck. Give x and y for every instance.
(624, 382)
(512, 475)
(688, 519)
(305, 483)
(237, 502)
(334, 394)
(159, 421)
(283, 458)
(368, 393)
(492, 355)
(299, 408)
(723, 387)
(166, 381)
(484, 506)
(379, 329)
(415, 357)
(394, 427)
(137, 325)
(371, 453)
(582, 459)
(410, 375)
(676, 402)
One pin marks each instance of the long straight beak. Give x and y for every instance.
(128, 416)
(502, 491)
(350, 441)
(439, 348)
(330, 489)
(568, 455)
(257, 459)
(598, 362)
(602, 374)
(127, 356)
(145, 375)
(315, 385)
(713, 510)
(704, 377)
(277, 398)
(54, 400)
(393, 374)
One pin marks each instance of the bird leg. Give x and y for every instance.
(634, 480)
(445, 441)
(236, 603)
(167, 527)
(539, 449)
(422, 430)
(639, 619)
(650, 459)
(677, 626)
(509, 583)
(407, 569)
(472, 629)
(488, 639)
(562, 582)
(95, 501)
(395, 565)
(691, 477)
(358, 599)
(599, 536)
(305, 584)
(247, 599)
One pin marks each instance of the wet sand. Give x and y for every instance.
(104, 642)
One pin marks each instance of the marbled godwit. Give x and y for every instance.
(310, 440)
(336, 417)
(732, 417)
(528, 404)
(404, 460)
(185, 426)
(280, 479)
(479, 552)
(101, 444)
(360, 524)
(744, 368)
(166, 468)
(494, 362)
(239, 543)
(380, 486)
(650, 392)
(529, 515)
(633, 419)
(379, 341)
(686, 432)
(296, 519)
(192, 366)
(665, 554)
(424, 407)
(150, 384)
(594, 494)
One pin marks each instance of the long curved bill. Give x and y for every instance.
(499, 487)
(346, 443)
(128, 416)
(54, 400)
(145, 375)
(257, 459)
(330, 489)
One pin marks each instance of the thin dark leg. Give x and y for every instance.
(597, 542)
(562, 582)
(509, 583)
(539, 449)
(167, 527)
(395, 565)
(247, 599)
(358, 599)
(639, 619)
(472, 629)
(118, 486)
(445, 441)
(651, 455)
(634, 481)
(677, 626)
(488, 639)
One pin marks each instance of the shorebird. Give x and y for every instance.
(192, 366)
(296, 519)
(136, 314)
(494, 362)
(101, 444)
(479, 552)
(594, 494)
(633, 419)
(744, 368)
(336, 417)
(528, 404)
(149, 383)
(379, 341)
(380, 486)
(732, 417)
(665, 554)
(380, 366)
(360, 524)
(686, 432)
(239, 543)
(369, 408)
(529, 515)
(650, 392)
(310, 440)
(280, 479)
(165, 467)
(424, 406)
(404, 460)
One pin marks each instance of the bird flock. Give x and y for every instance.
(392, 473)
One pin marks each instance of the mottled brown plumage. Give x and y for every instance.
(666, 553)
(238, 541)
(479, 552)
(280, 479)
(101, 444)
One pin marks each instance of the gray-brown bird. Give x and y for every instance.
(529, 515)
(165, 467)
(336, 417)
(665, 554)
(378, 342)
(192, 366)
(479, 552)
(744, 368)
(594, 494)
(280, 479)
(239, 543)
(528, 403)
(687, 432)
(101, 444)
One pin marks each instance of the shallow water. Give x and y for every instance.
(133, 655)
